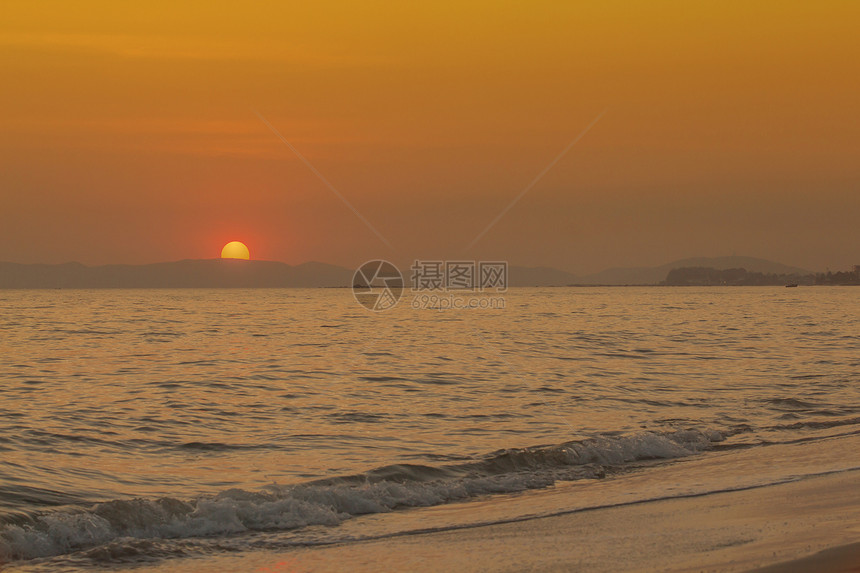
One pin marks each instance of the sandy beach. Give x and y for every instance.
(844, 559)
(808, 525)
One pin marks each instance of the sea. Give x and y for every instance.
(160, 427)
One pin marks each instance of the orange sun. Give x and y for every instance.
(235, 250)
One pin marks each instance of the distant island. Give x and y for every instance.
(705, 276)
(230, 273)
(657, 275)
(839, 278)
(645, 276)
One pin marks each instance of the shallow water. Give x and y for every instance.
(130, 417)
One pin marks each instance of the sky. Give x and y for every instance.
(132, 133)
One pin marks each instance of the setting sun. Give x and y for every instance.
(235, 250)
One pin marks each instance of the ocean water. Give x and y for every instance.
(149, 426)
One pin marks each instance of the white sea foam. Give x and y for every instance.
(329, 502)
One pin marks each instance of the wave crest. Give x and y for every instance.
(331, 501)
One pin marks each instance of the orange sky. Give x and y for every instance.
(129, 134)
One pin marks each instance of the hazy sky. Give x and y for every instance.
(128, 134)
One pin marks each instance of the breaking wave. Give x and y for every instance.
(331, 501)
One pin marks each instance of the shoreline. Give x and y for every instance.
(812, 524)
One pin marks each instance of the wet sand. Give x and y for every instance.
(845, 559)
(807, 525)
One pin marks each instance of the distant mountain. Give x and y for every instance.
(656, 275)
(220, 273)
(539, 276)
(205, 273)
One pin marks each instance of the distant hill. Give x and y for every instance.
(219, 273)
(205, 273)
(539, 276)
(656, 275)
(230, 273)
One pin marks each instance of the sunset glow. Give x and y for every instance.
(729, 128)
